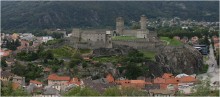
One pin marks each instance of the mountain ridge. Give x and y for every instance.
(68, 14)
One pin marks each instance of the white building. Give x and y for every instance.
(47, 38)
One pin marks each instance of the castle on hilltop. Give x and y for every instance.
(103, 38)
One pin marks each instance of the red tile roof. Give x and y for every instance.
(137, 81)
(58, 78)
(5, 52)
(35, 82)
(187, 79)
(74, 81)
(172, 81)
(110, 78)
(159, 80)
(167, 75)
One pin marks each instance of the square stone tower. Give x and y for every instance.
(143, 22)
(119, 25)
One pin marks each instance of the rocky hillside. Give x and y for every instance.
(29, 15)
(180, 59)
(115, 51)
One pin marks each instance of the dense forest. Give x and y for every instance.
(29, 15)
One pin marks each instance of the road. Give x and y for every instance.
(211, 62)
(213, 70)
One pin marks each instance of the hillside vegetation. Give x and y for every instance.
(21, 16)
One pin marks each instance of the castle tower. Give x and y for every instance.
(108, 42)
(119, 25)
(143, 22)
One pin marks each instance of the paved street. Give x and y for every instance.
(213, 70)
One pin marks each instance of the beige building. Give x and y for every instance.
(58, 82)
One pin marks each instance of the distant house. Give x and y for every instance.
(37, 83)
(166, 81)
(14, 36)
(58, 81)
(5, 53)
(54, 78)
(47, 38)
(48, 91)
(27, 36)
(186, 81)
(19, 80)
(132, 83)
(74, 81)
(99, 85)
(34, 90)
(110, 78)
(6, 76)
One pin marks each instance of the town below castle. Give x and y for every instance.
(94, 62)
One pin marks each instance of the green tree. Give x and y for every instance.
(79, 91)
(57, 35)
(6, 90)
(133, 71)
(30, 72)
(132, 91)
(113, 91)
(3, 62)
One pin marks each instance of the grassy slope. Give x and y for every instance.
(107, 59)
(172, 42)
(149, 54)
(64, 51)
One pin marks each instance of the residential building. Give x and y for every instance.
(4, 53)
(132, 83)
(37, 83)
(48, 91)
(58, 82)
(6, 76)
(19, 80)
(47, 38)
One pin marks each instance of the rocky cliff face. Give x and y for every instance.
(184, 59)
(116, 50)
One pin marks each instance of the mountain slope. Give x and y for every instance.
(67, 14)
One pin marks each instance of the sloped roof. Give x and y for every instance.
(187, 79)
(35, 82)
(110, 78)
(74, 81)
(159, 80)
(60, 78)
(167, 75)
